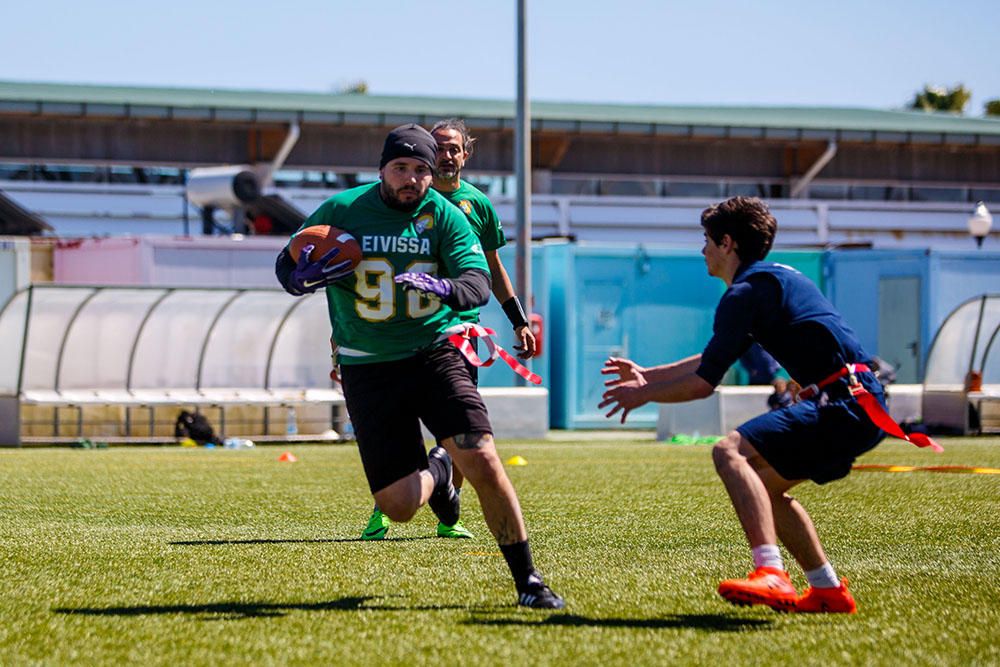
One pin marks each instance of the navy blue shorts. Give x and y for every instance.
(387, 401)
(819, 438)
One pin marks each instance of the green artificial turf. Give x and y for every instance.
(183, 556)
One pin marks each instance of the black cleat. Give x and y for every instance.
(536, 595)
(444, 500)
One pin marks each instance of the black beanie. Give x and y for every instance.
(409, 141)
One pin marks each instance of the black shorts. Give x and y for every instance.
(386, 402)
(473, 370)
(816, 439)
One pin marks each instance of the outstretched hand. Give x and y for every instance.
(525, 345)
(625, 390)
(626, 370)
(309, 276)
(626, 396)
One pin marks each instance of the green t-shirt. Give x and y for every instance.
(373, 318)
(485, 223)
(481, 214)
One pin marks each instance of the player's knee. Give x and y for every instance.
(726, 452)
(482, 466)
(398, 510)
(399, 504)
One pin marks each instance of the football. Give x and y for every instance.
(325, 238)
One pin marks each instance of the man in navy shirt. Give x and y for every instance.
(817, 438)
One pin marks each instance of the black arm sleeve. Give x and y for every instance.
(514, 312)
(283, 268)
(470, 289)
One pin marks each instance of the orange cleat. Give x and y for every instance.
(765, 585)
(827, 601)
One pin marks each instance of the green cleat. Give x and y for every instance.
(378, 526)
(458, 531)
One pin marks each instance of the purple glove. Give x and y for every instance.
(439, 288)
(309, 276)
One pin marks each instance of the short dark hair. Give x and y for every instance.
(458, 125)
(748, 222)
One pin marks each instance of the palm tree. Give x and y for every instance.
(935, 98)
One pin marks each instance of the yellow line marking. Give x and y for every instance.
(875, 467)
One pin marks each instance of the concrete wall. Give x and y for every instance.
(729, 407)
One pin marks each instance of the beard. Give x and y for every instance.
(392, 198)
(448, 171)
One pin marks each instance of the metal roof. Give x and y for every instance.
(268, 106)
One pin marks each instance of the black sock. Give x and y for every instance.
(518, 556)
(436, 468)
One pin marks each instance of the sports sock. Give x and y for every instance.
(437, 470)
(823, 577)
(518, 557)
(767, 555)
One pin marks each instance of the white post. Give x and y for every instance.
(522, 167)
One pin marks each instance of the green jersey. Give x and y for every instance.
(373, 318)
(481, 214)
(485, 223)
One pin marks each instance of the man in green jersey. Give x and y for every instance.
(454, 147)
(421, 265)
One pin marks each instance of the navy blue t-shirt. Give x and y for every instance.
(778, 307)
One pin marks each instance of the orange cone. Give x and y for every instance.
(288, 457)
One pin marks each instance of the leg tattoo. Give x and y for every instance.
(469, 440)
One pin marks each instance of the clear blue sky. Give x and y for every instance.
(849, 53)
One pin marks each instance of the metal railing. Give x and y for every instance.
(80, 209)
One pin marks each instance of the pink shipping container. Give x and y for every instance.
(187, 261)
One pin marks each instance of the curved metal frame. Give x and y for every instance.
(24, 337)
(24, 333)
(208, 334)
(274, 340)
(138, 335)
(78, 310)
(69, 327)
(989, 348)
(10, 300)
(930, 351)
(975, 337)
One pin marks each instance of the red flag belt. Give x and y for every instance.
(461, 340)
(870, 405)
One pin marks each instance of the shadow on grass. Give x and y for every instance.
(202, 543)
(706, 622)
(238, 610)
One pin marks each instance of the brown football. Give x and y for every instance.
(325, 238)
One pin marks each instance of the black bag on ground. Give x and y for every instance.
(196, 426)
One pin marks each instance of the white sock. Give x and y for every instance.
(823, 577)
(767, 555)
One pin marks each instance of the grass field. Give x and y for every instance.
(180, 556)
